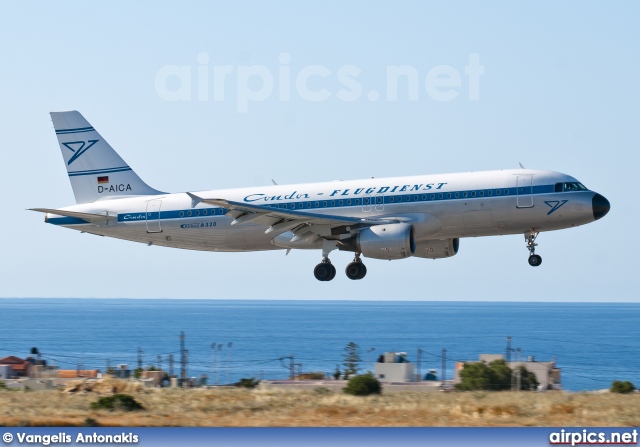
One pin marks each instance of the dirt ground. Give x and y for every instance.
(317, 408)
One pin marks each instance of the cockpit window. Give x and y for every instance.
(570, 186)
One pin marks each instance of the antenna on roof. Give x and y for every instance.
(521, 167)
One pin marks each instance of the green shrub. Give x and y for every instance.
(363, 385)
(626, 387)
(248, 383)
(122, 402)
(90, 422)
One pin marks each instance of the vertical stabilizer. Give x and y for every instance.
(95, 170)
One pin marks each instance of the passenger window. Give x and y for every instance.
(408, 198)
(440, 196)
(333, 203)
(181, 213)
(308, 204)
(204, 212)
(457, 195)
(188, 213)
(317, 204)
(490, 193)
(340, 203)
(357, 201)
(391, 199)
(448, 195)
(324, 204)
(197, 213)
(481, 193)
(433, 196)
(497, 192)
(465, 194)
(399, 198)
(349, 202)
(424, 197)
(415, 197)
(284, 205)
(506, 192)
(473, 193)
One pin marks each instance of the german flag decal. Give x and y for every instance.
(104, 179)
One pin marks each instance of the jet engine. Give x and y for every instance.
(437, 248)
(391, 241)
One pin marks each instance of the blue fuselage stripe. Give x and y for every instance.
(371, 201)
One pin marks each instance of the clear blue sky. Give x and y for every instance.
(560, 91)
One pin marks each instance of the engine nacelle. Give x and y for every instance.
(437, 248)
(392, 241)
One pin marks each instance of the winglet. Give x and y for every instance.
(194, 199)
(521, 167)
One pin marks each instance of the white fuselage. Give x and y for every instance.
(439, 206)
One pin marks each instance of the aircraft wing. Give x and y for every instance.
(99, 219)
(282, 219)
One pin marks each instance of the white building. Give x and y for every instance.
(394, 367)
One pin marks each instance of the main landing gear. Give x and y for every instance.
(534, 259)
(325, 271)
(356, 270)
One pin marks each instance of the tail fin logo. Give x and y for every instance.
(78, 148)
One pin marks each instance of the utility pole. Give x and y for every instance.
(213, 356)
(183, 370)
(220, 363)
(518, 369)
(419, 361)
(108, 366)
(139, 358)
(229, 346)
(170, 365)
(508, 356)
(159, 362)
(291, 367)
(444, 365)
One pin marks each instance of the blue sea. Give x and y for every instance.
(593, 343)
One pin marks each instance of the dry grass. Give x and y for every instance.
(242, 407)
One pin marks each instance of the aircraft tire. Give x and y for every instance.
(355, 270)
(535, 260)
(333, 272)
(324, 271)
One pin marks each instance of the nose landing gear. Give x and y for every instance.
(534, 259)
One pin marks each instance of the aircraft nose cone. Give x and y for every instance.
(601, 206)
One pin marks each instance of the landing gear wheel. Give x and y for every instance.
(333, 272)
(535, 260)
(356, 270)
(324, 271)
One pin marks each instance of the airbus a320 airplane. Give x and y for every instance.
(389, 218)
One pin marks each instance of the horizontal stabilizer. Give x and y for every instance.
(99, 219)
